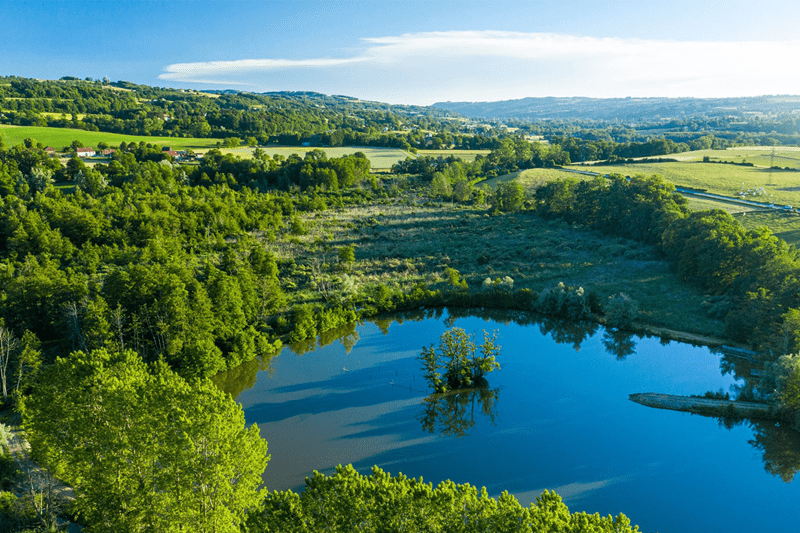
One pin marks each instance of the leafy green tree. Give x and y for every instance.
(349, 501)
(507, 197)
(145, 449)
(621, 310)
(440, 186)
(457, 356)
(40, 179)
(347, 254)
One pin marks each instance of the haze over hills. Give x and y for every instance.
(623, 108)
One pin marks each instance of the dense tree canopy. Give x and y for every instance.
(145, 449)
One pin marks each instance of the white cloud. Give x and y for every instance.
(496, 65)
(190, 71)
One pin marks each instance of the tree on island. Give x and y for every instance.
(458, 356)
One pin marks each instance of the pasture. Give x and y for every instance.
(764, 184)
(58, 138)
(380, 158)
(466, 155)
(532, 178)
(759, 183)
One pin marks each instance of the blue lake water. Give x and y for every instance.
(554, 417)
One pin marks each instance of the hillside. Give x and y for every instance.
(623, 109)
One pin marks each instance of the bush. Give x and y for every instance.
(564, 301)
(621, 311)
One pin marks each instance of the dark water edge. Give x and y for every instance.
(556, 416)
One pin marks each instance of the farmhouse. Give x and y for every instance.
(86, 151)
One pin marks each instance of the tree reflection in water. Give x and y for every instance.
(619, 343)
(779, 446)
(240, 378)
(452, 414)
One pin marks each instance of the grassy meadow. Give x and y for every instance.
(760, 183)
(58, 138)
(401, 244)
(782, 186)
(466, 155)
(380, 158)
(532, 178)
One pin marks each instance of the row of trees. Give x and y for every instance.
(286, 118)
(349, 501)
(753, 274)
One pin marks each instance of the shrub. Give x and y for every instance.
(564, 301)
(620, 311)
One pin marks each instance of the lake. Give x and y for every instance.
(555, 416)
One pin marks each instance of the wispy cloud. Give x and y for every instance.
(494, 65)
(190, 72)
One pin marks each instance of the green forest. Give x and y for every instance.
(127, 283)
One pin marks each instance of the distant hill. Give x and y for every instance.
(623, 109)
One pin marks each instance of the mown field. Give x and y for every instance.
(400, 244)
(466, 155)
(380, 158)
(532, 178)
(58, 138)
(764, 183)
(759, 183)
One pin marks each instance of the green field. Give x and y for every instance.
(784, 225)
(762, 156)
(58, 138)
(466, 155)
(705, 204)
(380, 158)
(780, 186)
(405, 245)
(763, 183)
(532, 178)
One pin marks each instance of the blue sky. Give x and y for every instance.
(415, 52)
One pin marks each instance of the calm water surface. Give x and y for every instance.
(555, 417)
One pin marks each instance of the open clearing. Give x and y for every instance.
(532, 178)
(764, 185)
(757, 183)
(401, 245)
(58, 138)
(380, 158)
(466, 155)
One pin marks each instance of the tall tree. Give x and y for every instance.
(145, 449)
